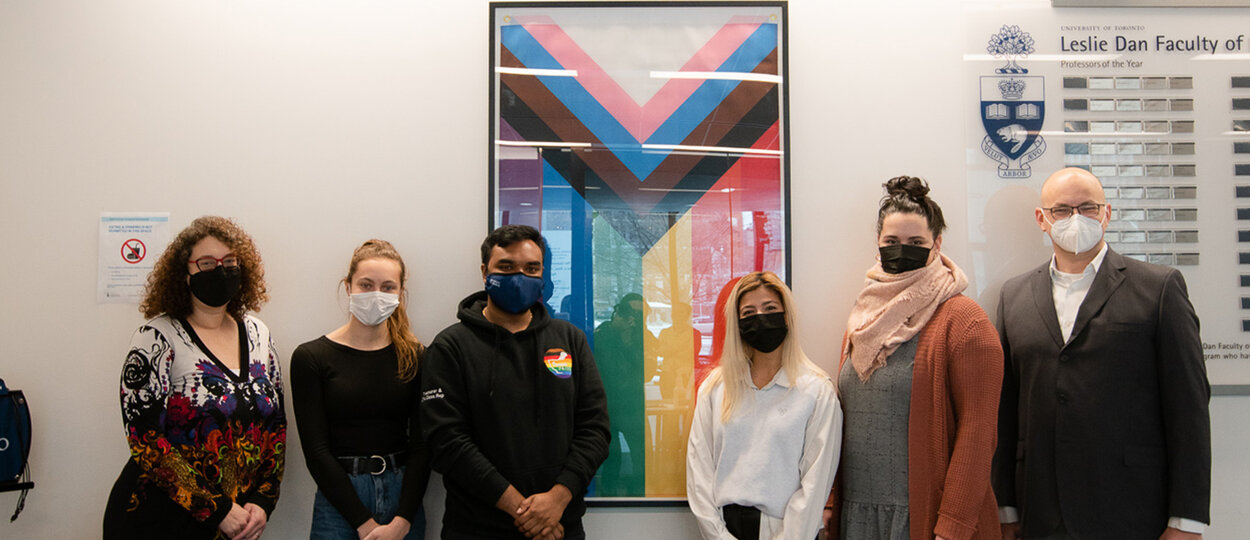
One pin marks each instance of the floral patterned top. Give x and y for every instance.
(200, 433)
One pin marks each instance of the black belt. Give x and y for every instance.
(373, 464)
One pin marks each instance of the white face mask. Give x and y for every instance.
(371, 308)
(1077, 233)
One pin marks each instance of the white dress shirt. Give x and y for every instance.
(778, 454)
(1069, 292)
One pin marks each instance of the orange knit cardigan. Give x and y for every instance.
(953, 426)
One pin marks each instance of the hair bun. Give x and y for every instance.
(911, 187)
(376, 243)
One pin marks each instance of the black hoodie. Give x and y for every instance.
(497, 408)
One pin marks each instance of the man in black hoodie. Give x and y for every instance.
(512, 407)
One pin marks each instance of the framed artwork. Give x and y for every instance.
(648, 142)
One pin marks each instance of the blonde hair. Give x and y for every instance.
(734, 368)
(407, 347)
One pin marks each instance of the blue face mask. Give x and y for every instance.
(514, 293)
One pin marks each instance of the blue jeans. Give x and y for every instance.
(379, 493)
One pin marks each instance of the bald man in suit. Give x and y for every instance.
(1104, 430)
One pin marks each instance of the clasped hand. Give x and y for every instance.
(538, 516)
(396, 529)
(245, 522)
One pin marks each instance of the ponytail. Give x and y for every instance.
(408, 348)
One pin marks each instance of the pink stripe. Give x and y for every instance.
(709, 58)
(640, 121)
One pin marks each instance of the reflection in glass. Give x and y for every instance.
(1102, 127)
(1128, 105)
(1097, 105)
(1130, 127)
(1102, 148)
(1159, 192)
(1159, 214)
(1161, 258)
(652, 194)
(1127, 83)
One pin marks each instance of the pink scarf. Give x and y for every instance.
(893, 308)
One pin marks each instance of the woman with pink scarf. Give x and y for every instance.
(919, 379)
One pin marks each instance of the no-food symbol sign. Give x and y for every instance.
(133, 251)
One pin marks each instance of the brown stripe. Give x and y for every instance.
(713, 129)
(568, 128)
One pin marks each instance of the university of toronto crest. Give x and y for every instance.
(1013, 106)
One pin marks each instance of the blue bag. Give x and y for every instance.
(14, 444)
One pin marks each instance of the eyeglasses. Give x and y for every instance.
(1089, 210)
(208, 263)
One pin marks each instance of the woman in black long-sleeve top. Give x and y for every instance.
(356, 396)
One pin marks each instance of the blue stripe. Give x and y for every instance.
(711, 93)
(560, 197)
(581, 103)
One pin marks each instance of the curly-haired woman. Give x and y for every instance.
(201, 396)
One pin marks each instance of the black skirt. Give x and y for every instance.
(137, 510)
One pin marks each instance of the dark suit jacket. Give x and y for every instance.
(1110, 431)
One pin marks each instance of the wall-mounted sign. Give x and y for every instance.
(129, 245)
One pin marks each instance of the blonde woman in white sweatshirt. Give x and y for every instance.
(767, 427)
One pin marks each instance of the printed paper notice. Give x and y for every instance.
(130, 243)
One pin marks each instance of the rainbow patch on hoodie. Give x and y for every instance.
(559, 363)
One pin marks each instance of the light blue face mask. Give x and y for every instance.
(514, 293)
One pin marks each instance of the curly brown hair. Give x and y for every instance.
(167, 291)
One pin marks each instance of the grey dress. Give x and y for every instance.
(874, 452)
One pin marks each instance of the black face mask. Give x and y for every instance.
(764, 332)
(217, 287)
(900, 258)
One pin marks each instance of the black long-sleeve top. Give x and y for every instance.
(349, 402)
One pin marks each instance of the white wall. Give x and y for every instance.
(320, 123)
